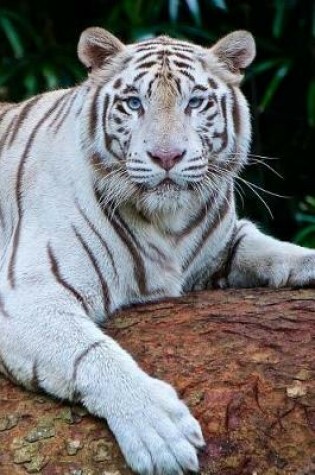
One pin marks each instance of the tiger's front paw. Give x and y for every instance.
(302, 272)
(157, 434)
(291, 267)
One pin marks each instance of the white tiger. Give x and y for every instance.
(120, 190)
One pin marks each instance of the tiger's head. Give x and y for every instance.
(166, 120)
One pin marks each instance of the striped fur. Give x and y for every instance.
(120, 190)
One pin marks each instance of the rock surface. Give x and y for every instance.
(244, 361)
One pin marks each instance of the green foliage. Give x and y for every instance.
(305, 217)
(29, 64)
(38, 52)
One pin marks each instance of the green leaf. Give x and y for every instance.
(220, 4)
(188, 31)
(311, 103)
(310, 200)
(306, 236)
(24, 25)
(12, 36)
(194, 9)
(52, 79)
(279, 75)
(14, 70)
(173, 7)
(31, 84)
(263, 66)
(278, 23)
(305, 218)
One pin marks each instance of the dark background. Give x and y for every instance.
(38, 41)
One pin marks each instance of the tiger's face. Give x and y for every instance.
(173, 122)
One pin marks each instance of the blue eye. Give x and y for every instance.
(134, 103)
(195, 102)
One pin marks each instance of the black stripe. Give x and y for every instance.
(140, 270)
(8, 373)
(3, 311)
(140, 75)
(222, 135)
(78, 360)
(86, 91)
(93, 260)
(129, 88)
(212, 83)
(18, 190)
(100, 237)
(146, 65)
(181, 48)
(178, 85)
(108, 138)
(208, 105)
(236, 113)
(120, 108)
(194, 167)
(150, 86)
(7, 109)
(117, 84)
(55, 269)
(1, 218)
(212, 226)
(199, 87)
(93, 113)
(187, 74)
(143, 48)
(183, 56)
(35, 381)
(6, 134)
(194, 223)
(233, 250)
(59, 112)
(62, 115)
(145, 56)
(230, 253)
(181, 64)
(104, 119)
(22, 116)
(118, 120)
(138, 264)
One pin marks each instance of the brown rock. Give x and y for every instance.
(7, 422)
(36, 464)
(24, 454)
(40, 432)
(101, 450)
(244, 361)
(73, 446)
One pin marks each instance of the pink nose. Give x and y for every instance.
(166, 159)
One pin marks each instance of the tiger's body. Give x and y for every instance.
(116, 191)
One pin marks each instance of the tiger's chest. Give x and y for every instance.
(116, 266)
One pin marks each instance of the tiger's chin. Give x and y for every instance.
(165, 198)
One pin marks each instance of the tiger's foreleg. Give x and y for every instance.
(51, 344)
(256, 259)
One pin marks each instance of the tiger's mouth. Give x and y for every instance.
(168, 185)
(167, 182)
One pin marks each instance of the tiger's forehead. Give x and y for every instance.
(167, 44)
(163, 51)
(168, 62)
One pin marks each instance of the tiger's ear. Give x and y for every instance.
(96, 46)
(236, 51)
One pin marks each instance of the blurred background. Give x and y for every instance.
(38, 41)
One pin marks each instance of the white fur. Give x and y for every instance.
(47, 194)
